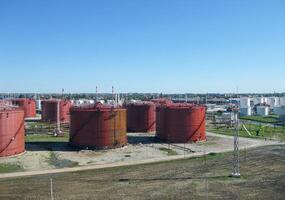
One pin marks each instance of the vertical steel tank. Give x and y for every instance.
(49, 110)
(28, 105)
(181, 123)
(12, 131)
(98, 126)
(141, 117)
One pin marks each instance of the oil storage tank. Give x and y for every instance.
(50, 110)
(12, 132)
(28, 105)
(181, 123)
(141, 117)
(98, 126)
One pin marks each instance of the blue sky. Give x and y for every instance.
(169, 46)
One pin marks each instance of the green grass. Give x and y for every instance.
(262, 177)
(257, 131)
(8, 168)
(46, 138)
(43, 128)
(170, 152)
(266, 119)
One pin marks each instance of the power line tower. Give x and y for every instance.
(236, 172)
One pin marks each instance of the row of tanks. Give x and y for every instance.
(106, 126)
(12, 121)
(101, 126)
(48, 107)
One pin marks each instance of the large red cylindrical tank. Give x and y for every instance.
(12, 131)
(141, 117)
(181, 123)
(98, 126)
(28, 105)
(49, 110)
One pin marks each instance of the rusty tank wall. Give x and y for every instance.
(28, 105)
(141, 117)
(12, 131)
(98, 126)
(181, 123)
(49, 110)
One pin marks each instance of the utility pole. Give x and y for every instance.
(113, 95)
(57, 131)
(236, 172)
(51, 189)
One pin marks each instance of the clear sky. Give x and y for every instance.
(169, 46)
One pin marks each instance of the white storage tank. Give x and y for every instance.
(262, 110)
(282, 101)
(244, 102)
(279, 110)
(258, 100)
(273, 102)
(245, 111)
(38, 104)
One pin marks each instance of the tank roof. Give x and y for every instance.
(95, 107)
(5, 108)
(181, 105)
(142, 103)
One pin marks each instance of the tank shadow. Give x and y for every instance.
(49, 146)
(142, 139)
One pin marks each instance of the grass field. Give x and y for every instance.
(262, 169)
(256, 131)
(46, 138)
(267, 119)
(42, 128)
(6, 168)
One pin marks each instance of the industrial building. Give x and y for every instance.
(28, 105)
(12, 132)
(98, 126)
(181, 123)
(141, 117)
(52, 108)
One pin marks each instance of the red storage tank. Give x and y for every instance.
(181, 123)
(98, 126)
(141, 117)
(49, 110)
(28, 105)
(12, 131)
